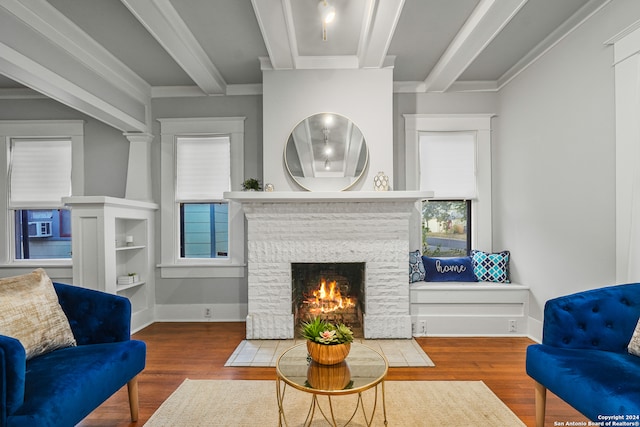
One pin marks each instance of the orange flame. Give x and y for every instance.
(328, 300)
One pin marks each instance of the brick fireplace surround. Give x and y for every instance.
(291, 227)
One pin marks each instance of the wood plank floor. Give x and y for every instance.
(176, 351)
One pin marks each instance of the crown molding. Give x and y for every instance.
(549, 42)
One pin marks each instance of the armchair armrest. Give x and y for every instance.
(602, 319)
(13, 362)
(95, 317)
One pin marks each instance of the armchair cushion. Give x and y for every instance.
(30, 312)
(64, 386)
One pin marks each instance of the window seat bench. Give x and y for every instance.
(469, 309)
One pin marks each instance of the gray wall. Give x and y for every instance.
(106, 150)
(554, 163)
(219, 291)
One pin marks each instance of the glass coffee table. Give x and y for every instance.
(363, 369)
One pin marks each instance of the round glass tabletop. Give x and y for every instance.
(362, 369)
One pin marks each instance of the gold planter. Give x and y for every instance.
(328, 354)
(329, 377)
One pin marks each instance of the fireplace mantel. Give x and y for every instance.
(373, 228)
(329, 196)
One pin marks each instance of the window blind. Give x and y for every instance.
(203, 168)
(448, 164)
(40, 173)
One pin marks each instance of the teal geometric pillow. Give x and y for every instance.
(416, 267)
(490, 267)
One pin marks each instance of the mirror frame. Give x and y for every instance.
(356, 177)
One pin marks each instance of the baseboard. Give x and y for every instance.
(535, 329)
(201, 312)
(469, 326)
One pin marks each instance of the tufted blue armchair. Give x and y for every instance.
(583, 357)
(62, 387)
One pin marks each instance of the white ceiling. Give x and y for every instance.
(150, 48)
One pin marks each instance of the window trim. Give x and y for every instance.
(37, 129)
(172, 266)
(480, 124)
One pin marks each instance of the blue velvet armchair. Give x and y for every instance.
(62, 387)
(583, 358)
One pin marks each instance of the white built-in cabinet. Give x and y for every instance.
(101, 252)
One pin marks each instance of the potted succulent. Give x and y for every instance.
(327, 343)
(251, 184)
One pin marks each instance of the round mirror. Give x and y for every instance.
(326, 152)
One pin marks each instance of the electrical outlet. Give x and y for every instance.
(207, 312)
(423, 327)
(513, 326)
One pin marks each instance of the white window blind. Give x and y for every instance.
(40, 173)
(203, 168)
(448, 164)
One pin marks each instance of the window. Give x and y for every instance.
(44, 165)
(446, 228)
(202, 233)
(203, 175)
(451, 156)
(447, 167)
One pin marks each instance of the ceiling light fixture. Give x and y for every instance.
(328, 14)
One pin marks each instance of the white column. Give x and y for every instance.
(139, 168)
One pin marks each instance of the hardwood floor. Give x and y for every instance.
(176, 351)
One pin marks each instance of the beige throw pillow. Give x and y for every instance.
(634, 344)
(30, 312)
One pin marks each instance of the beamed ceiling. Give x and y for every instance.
(108, 58)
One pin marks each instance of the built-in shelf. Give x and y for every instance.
(129, 248)
(120, 288)
(101, 228)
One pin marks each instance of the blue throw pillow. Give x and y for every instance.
(490, 267)
(459, 269)
(416, 268)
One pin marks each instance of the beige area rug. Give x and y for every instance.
(243, 403)
(399, 352)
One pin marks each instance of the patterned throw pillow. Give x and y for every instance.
(30, 312)
(416, 268)
(491, 267)
(634, 344)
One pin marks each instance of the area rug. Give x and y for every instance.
(243, 403)
(399, 352)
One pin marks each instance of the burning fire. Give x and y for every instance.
(325, 300)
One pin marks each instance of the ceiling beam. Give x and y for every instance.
(379, 24)
(275, 22)
(164, 23)
(485, 22)
(43, 50)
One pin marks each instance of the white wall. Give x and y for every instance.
(364, 96)
(554, 164)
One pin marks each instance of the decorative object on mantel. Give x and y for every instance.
(381, 182)
(251, 184)
(327, 343)
(269, 188)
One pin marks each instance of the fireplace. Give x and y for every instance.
(331, 291)
(371, 228)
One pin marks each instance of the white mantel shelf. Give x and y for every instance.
(329, 196)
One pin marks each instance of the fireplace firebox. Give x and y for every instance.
(332, 291)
